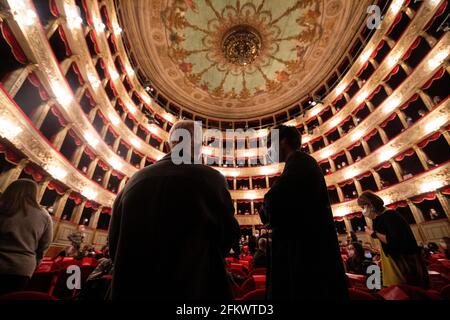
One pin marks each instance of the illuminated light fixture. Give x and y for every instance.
(116, 164)
(91, 139)
(350, 173)
(435, 124)
(340, 212)
(327, 153)
(8, 129)
(393, 60)
(430, 186)
(135, 142)
(365, 56)
(267, 171)
(73, 17)
(99, 25)
(335, 121)
(153, 129)
(146, 98)
(357, 135)
(392, 104)
(314, 112)
(438, 59)
(387, 154)
(62, 94)
(250, 195)
(56, 171)
(114, 119)
(117, 29)
(396, 6)
(22, 14)
(113, 74)
(132, 108)
(262, 133)
(130, 70)
(340, 89)
(291, 123)
(95, 83)
(233, 174)
(169, 117)
(89, 193)
(306, 138)
(362, 97)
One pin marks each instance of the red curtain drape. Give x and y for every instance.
(16, 50)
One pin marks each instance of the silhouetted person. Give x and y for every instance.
(26, 231)
(192, 202)
(299, 200)
(260, 258)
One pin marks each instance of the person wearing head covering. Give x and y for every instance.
(190, 200)
(401, 259)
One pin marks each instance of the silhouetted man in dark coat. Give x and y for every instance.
(305, 262)
(171, 228)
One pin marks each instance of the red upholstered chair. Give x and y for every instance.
(245, 263)
(238, 266)
(26, 295)
(231, 260)
(46, 266)
(438, 280)
(356, 281)
(260, 281)
(87, 261)
(258, 294)
(258, 271)
(405, 292)
(253, 283)
(43, 281)
(356, 294)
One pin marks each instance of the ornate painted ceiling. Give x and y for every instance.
(239, 59)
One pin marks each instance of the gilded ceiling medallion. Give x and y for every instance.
(237, 51)
(242, 59)
(241, 45)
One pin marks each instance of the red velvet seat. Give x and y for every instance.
(405, 292)
(356, 281)
(258, 271)
(26, 295)
(43, 281)
(258, 294)
(245, 263)
(252, 283)
(356, 294)
(87, 261)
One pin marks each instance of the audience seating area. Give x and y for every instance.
(49, 281)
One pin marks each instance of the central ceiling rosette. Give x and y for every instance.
(237, 50)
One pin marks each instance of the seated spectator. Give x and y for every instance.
(77, 239)
(357, 262)
(260, 258)
(444, 247)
